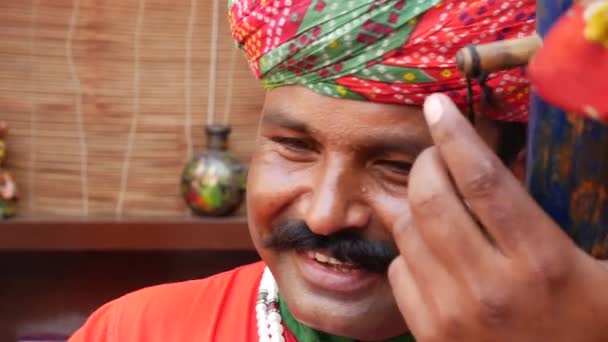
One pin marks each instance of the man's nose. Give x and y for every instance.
(337, 201)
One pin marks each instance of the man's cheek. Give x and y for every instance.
(272, 186)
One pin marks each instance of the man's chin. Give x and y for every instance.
(359, 308)
(340, 321)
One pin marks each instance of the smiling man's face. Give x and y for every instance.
(336, 165)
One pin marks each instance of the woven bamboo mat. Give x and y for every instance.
(106, 100)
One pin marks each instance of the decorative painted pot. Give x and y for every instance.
(213, 183)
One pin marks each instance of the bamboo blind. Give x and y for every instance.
(107, 99)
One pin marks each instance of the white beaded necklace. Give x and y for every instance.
(267, 310)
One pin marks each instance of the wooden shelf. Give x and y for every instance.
(146, 234)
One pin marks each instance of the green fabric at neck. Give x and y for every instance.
(306, 334)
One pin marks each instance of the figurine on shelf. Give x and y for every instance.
(8, 190)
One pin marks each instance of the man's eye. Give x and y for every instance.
(294, 144)
(396, 166)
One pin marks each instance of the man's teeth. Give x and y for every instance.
(326, 259)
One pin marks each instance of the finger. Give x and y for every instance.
(498, 200)
(425, 292)
(410, 300)
(444, 222)
(413, 282)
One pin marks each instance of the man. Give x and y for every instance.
(334, 195)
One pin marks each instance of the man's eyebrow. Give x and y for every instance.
(408, 144)
(281, 119)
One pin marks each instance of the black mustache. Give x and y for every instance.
(347, 245)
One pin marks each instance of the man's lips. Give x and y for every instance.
(322, 271)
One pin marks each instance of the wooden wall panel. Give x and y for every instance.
(108, 98)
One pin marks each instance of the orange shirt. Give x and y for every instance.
(218, 308)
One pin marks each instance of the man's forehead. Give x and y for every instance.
(347, 122)
(318, 122)
(298, 104)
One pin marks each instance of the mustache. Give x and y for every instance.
(347, 245)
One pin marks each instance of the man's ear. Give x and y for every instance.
(518, 166)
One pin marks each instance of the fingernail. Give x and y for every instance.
(433, 109)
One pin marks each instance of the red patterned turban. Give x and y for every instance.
(388, 51)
